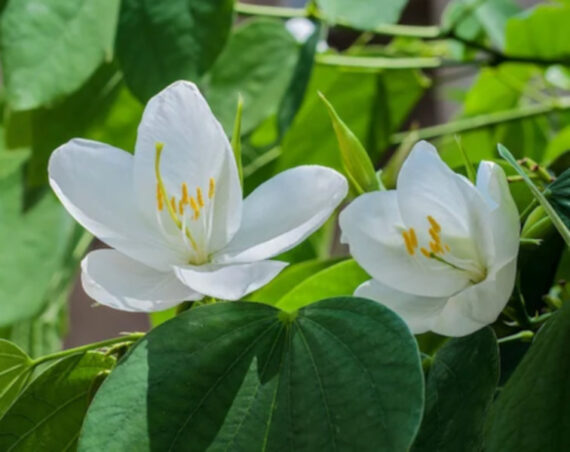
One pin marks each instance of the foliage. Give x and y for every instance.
(299, 364)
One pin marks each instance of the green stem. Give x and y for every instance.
(372, 64)
(84, 348)
(524, 336)
(410, 31)
(485, 120)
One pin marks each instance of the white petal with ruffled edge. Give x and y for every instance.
(229, 282)
(119, 282)
(284, 211)
(94, 183)
(503, 216)
(196, 150)
(419, 313)
(372, 227)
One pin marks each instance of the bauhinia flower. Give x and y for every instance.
(174, 213)
(441, 251)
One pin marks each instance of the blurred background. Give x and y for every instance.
(88, 323)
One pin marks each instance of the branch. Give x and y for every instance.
(486, 120)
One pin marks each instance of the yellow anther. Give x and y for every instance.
(435, 247)
(171, 206)
(199, 197)
(173, 203)
(434, 235)
(413, 238)
(425, 252)
(159, 197)
(195, 207)
(181, 207)
(185, 198)
(408, 242)
(434, 224)
(212, 188)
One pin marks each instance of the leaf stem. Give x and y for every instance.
(132, 337)
(485, 120)
(410, 31)
(524, 336)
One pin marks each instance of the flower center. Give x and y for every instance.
(190, 213)
(441, 252)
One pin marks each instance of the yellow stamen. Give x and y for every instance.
(436, 247)
(434, 224)
(195, 208)
(434, 235)
(212, 188)
(408, 242)
(181, 207)
(159, 197)
(185, 198)
(413, 238)
(173, 203)
(425, 252)
(199, 197)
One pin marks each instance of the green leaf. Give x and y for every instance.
(340, 279)
(532, 412)
(362, 14)
(460, 386)
(356, 162)
(288, 279)
(560, 196)
(161, 42)
(257, 63)
(48, 414)
(51, 47)
(540, 32)
(344, 374)
(15, 369)
(31, 253)
(556, 220)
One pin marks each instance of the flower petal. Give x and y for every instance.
(119, 282)
(372, 227)
(94, 183)
(503, 217)
(479, 305)
(283, 211)
(229, 282)
(196, 150)
(418, 312)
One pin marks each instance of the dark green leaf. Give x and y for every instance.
(15, 369)
(48, 415)
(362, 14)
(51, 47)
(161, 42)
(460, 387)
(560, 196)
(257, 63)
(532, 412)
(344, 374)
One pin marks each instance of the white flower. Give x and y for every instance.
(174, 211)
(441, 251)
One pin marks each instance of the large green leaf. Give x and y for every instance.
(344, 374)
(362, 14)
(541, 32)
(48, 415)
(161, 42)
(51, 47)
(532, 412)
(338, 280)
(560, 196)
(288, 279)
(460, 387)
(15, 369)
(30, 253)
(261, 81)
